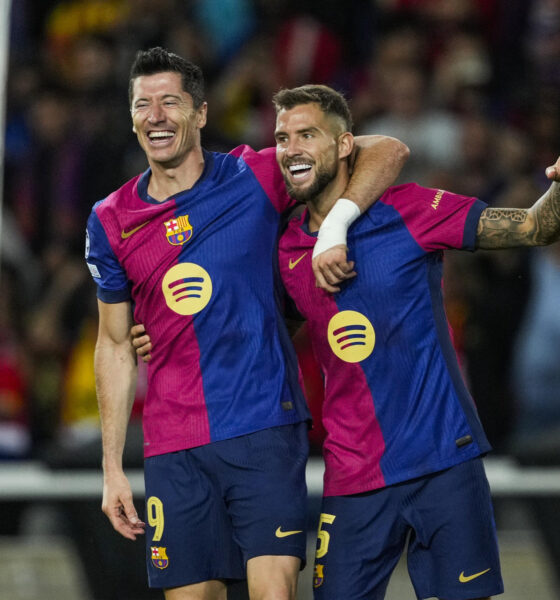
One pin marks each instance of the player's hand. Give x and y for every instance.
(331, 268)
(553, 172)
(141, 342)
(118, 506)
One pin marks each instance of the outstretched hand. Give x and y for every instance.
(553, 172)
(332, 267)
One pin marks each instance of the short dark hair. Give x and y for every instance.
(330, 101)
(159, 60)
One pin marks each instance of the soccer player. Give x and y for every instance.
(190, 245)
(404, 442)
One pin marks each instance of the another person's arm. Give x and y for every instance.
(376, 163)
(513, 227)
(115, 376)
(141, 342)
(378, 160)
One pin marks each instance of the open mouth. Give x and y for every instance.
(160, 137)
(299, 171)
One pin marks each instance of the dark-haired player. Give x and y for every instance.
(190, 245)
(404, 441)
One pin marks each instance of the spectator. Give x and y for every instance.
(535, 377)
(433, 135)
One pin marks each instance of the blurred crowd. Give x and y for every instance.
(472, 86)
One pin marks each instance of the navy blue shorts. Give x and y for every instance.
(452, 551)
(211, 508)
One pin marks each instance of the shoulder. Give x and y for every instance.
(414, 197)
(404, 192)
(256, 159)
(120, 197)
(246, 151)
(242, 157)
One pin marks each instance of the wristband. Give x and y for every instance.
(335, 225)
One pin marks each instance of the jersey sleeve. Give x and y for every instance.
(438, 219)
(266, 170)
(107, 272)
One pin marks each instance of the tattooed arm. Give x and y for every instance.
(513, 227)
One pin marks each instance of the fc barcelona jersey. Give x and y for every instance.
(396, 406)
(199, 269)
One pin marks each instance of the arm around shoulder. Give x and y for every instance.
(376, 164)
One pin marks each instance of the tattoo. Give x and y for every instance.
(513, 227)
(548, 215)
(502, 228)
(515, 214)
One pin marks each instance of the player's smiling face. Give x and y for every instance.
(164, 118)
(307, 150)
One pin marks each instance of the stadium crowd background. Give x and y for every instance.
(472, 86)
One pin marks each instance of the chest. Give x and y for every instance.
(223, 228)
(392, 272)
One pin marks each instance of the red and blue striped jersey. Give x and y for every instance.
(200, 269)
(396, 406)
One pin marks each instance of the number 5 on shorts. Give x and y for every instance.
(154, 508)
(323, 537)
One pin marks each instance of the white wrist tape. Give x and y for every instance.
(335, 225)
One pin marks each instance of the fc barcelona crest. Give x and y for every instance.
(159, 557)
(318, 576)
(178, 231)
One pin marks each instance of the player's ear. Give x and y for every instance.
(345, 144)
(201, 115)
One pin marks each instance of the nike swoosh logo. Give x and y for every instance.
(465, 578)
(292, 263)
(127, 234)
(280, 534)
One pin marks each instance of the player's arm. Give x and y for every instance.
(513, 227)
(115, 378)
(376, 163)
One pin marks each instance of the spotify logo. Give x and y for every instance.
(351, 336)
(187, 288)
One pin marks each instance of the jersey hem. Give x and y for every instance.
(339, 490)
(178, 445)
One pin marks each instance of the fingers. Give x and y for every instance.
(332, 268)
(329, 279)
(553, 172)
(128, 526)
(141, 342)
(125, 520)
(137, 330)
(119, 507)
(143, 348)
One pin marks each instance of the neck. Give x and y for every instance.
(167, 181)
(320, 206)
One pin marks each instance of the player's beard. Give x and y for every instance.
(325, 174)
